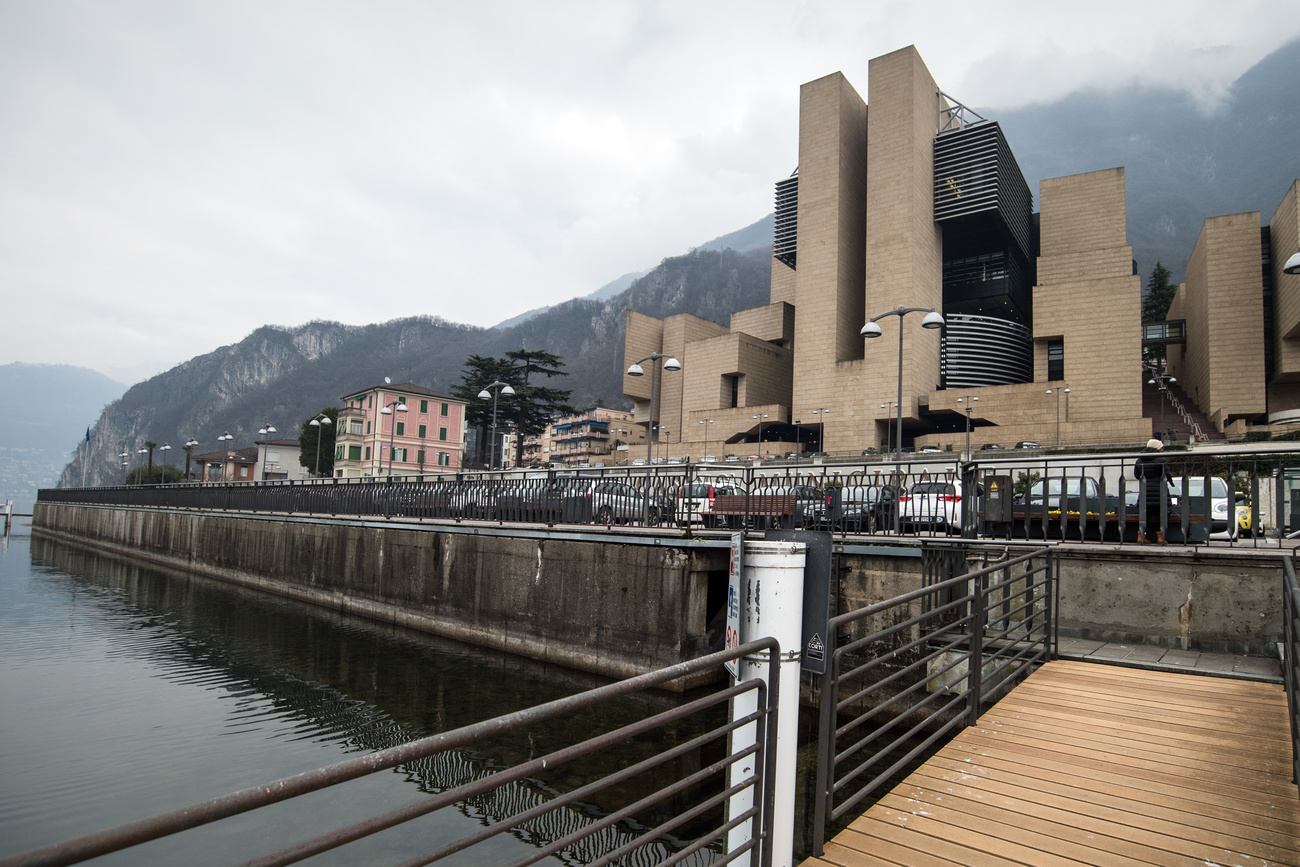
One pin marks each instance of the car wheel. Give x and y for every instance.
(871, 522)
(652, 516)
(604, 515)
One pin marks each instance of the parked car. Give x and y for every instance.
(709, 459)
(1050, 490)
(695, 501)
(988, 447)
(1027, 444)
(731, 458)
(930, 450)
(863, 509)
(934, 504)
(1221, 525)
(581, 500)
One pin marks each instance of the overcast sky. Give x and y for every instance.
(175, 174)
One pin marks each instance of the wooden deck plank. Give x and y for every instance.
(1086, 763)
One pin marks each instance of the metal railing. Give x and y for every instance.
(698, 796)
(1002, 494)
(1291, 658)
(923, 665)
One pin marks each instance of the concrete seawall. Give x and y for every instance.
(619, 603)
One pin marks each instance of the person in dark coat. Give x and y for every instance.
(1151, 467)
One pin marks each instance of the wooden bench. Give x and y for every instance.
(773, 508)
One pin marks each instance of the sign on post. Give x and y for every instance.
(735, 585)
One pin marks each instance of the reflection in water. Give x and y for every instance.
(130, 690)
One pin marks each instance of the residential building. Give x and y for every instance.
(591, 436)
(227, 465)
(374, 436)
(918, 203)
(278, 460)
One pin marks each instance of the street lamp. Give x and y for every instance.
(126, 462)
(323, 419)
(142, 452)
(1292, 265)
(759, 418)
(226, 438)
(164, 448)
(706, 422)
(189, 451)
(1059, 392)
(388, 409)
(871, 329)
(266, 430)
(498, 388)
(1162, 380)
(968, 400)
(654, 358)
(821, 427)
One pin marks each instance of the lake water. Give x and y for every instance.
(129, 690)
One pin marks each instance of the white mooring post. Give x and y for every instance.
(771, 604)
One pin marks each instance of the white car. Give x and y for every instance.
(695, 501)
(935, 504)
(1223, 521)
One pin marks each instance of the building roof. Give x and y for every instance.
(404, 387)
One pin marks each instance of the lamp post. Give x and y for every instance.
(498, 388)
(821, 412)
(388, 409)
(706, 422)
(889, 406)
(654, 358)
(164, 448)
(266, 430)
(125, 458)
(760, 418)
(968, 400)
(1162, 381)
(142, 452)
(225, 438)
(797, 429)
(871, 329)
(1292, 265)
(1059, 392)
(317, 423)
(189, 451)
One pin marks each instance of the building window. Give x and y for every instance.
(401, 428)
(354, 453)
(444, 459)
(424, 431)
(372, 401)
(367, 452)
(356, 427)
(442, 433)
(424, 407)
(398, 455)
(444, 409)
(1055, 360)
(419, 457)
(367, 427)
(338, 453)
(735, 390)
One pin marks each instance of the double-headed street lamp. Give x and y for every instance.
(388, 409)
(1059, 392)
(266, 430)
(125, 457)
(144, 475)
(821, 412)
(498, 388)
(189, 451)
(969, 401)
(164, 448)
(226, 438)
(317, 423)
(706, 422)
(1162, 380)
(654, 358)
(871, 329)
(759, 418)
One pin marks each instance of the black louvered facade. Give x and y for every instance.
(785, 235)
(982, 350)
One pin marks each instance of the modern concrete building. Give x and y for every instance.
(1239, 362)
(402, 429)
(909, 199)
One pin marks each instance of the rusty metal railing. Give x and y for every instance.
(697, 796)
(922, 666)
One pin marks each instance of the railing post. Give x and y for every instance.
(771, 606)
(975, 665)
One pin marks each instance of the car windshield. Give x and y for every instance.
(1196, 487)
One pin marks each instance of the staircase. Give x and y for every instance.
(1181, 415)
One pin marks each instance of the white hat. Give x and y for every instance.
(1154, 443)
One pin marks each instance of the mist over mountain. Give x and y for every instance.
(1183, 165)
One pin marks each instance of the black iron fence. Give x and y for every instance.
(688, 809)
(1291, 658)
(909, 671)
(1228, 497)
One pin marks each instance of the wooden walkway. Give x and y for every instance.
(1094, 764)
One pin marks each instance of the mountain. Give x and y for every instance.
(283, 376)
(49, 407)
(1182, 164)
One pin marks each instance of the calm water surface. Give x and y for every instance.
(129, 690)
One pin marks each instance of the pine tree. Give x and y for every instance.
(1160, 294)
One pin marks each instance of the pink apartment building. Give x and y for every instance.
(400, 429)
